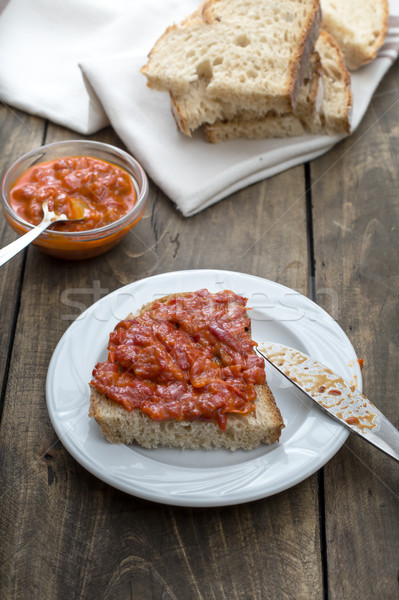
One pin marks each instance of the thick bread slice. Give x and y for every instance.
(242, 431)
(333, 117)
(288, 31)
(195, 107)
(358, 26)
(250, 53)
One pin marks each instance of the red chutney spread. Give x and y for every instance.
(105, 192)
(188, 358)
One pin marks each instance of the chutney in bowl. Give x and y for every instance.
(106, 182)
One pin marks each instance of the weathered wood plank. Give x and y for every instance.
(70, 535)
(356, 210)
(19, 133)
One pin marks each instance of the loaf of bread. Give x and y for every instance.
(260, 422)
(249, 53)
(331, 117)
(358, 26)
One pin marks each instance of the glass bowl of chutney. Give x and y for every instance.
(107, 182)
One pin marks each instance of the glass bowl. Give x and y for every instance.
(78, 245)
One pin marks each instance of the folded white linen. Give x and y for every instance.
(77, 62)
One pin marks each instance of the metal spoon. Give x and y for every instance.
(49, 217)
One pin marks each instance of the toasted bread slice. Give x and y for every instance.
(242, 431)
(332, 117)
(359, 28)
(250, 53)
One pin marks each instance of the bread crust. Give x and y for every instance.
(263, 426)
(341, 124)
(308, 39)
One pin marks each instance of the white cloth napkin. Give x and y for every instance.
(76, 62)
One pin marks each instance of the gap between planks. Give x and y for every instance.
(313, 296)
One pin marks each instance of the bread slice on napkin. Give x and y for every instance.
(358, 26)
(332, 117)
(193, 109)
(214, 327)
(249, 53)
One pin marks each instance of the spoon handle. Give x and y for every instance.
(12, 249)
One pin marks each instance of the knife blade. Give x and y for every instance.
(341, 400)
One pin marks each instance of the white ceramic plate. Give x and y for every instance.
(196, 477)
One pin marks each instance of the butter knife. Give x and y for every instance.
(342, 401)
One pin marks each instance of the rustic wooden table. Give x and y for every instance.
(65, 534)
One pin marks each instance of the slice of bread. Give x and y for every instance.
(358, 26)
(332, 118)
(249, 53)
(242, 431)
(194, 108)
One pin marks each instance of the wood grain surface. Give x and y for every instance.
(356, 218)
(328, 230)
